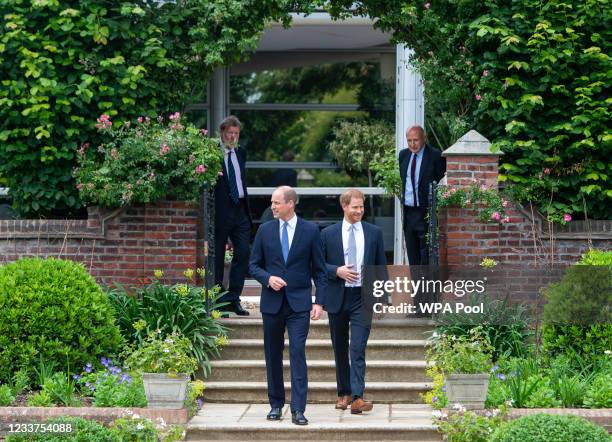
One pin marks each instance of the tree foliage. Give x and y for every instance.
(532, 76)
(63, 64)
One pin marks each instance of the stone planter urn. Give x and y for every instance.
(469, 390)
(165, 391)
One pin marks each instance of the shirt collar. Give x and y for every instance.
(292, 222)
(419, 154)
(346, 225)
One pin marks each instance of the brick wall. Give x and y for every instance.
(124, 245)
(530, 250)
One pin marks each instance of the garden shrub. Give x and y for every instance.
(83, 430)
(180, 308)
(506, 324)
(6, 396)
(550, 428)
(599, 392)
(577, 319)
(40, 399)
(52, 310)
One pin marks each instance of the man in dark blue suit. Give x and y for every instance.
(348, 246)
(419, 164)
(232, 215)
(286, 255)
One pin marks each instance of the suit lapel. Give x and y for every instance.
(337, 242)
(423, 165)
(277, 237)
(366, 242)
(296, 237)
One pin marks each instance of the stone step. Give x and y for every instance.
(247, 422)
(408, 329)
(318, 392)
(394, 349)
(320, 370)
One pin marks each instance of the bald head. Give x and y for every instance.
(415, 136)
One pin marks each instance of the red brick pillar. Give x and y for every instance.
(464, 239)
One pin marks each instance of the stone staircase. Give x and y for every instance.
(395, 376)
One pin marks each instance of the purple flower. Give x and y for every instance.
(115, 370)
(443, 387)
(106, 362)
(88, 367)
(434, 399)
(501, 376)
(200, 404)
(125, 378)
(495, 368)
(90, 386)
(76, 377)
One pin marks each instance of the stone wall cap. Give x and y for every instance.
(472, 143)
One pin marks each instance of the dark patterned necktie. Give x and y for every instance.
(412, 178)
(231, 178)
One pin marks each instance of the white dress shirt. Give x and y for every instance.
(290, 229)
(236, 165)
(360, 242)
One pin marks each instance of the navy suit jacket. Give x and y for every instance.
(222, 191)
(373, 254)
(305, 262)
(433, 168)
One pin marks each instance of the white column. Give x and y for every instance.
(219, 98)
(409, 111)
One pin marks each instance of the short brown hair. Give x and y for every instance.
(346, 197)
(289, 194)
(230, 121)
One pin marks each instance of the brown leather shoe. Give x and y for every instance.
(359, 405)
(343, 402)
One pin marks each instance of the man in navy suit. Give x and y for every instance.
(348, 246)
(419, 166)
(232, 215)
(286, 255)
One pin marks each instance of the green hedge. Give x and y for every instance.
(53, 310)
(550, 428)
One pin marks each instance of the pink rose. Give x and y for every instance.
(427, 5)
(546, 171)
(204, 132)
(140, 120)
(164, 149)
(200, 168)
(496, 216)
(478, 97)
(507, 219)
(175, 116)
(485, 73)
(504, 203)
(567, 217)
(79, 186)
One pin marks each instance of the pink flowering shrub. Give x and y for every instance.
(487, 201)
(147, 161)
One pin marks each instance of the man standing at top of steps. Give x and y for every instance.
(348, 246)
(286, 255)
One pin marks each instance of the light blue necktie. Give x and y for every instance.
(352, 248)
(285, 242)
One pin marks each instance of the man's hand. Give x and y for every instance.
(276, 283)
(316, 312)
(347, 273)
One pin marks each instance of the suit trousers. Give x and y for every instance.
(237, 228)
(415, 230)
(350, 378)
(297, 325)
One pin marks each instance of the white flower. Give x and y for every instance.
(136, 416)
(140, 426)
(459, 407)
(166, 350)
(608, 352)
(436, 414)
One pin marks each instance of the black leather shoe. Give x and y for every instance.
(274, 414)
(239, 310)
(298, 418)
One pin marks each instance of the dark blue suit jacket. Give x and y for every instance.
(305, 262)
(433, 168)
(222, 191)
(373, 254)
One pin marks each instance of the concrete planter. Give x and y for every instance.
(469, 390)
(164, 391)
